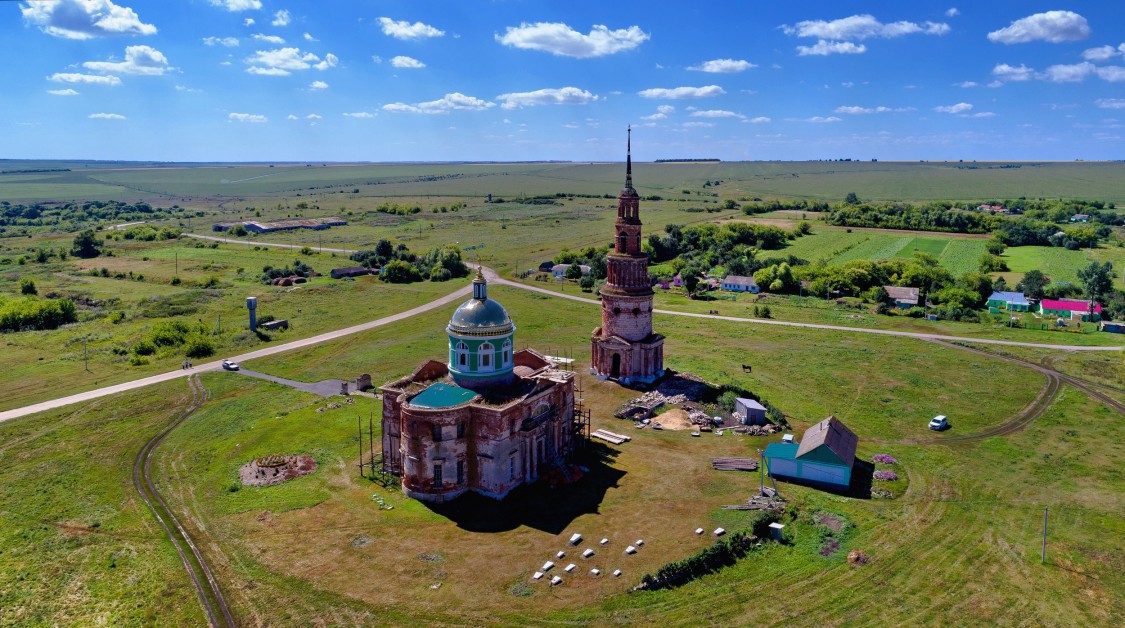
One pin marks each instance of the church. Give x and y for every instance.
(625, 348)
(488, 420)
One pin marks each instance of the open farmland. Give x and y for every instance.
(831, 181)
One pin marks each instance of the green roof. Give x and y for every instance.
(442, 396)
(781, 450)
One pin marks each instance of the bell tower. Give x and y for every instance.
(624, 347)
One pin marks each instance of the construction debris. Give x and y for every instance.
(857, 557)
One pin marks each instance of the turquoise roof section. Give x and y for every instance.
(442, 396)
(781, 450)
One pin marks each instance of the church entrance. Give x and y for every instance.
(615, 369)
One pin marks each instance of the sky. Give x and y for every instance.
(510, 80)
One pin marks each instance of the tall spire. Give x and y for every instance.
(629, 157)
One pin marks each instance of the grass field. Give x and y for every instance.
(318, 551)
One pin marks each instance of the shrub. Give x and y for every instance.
(143, 347)
(36, 314)
(884, 475)
(884, 459)
(199, 347)
(137, 360)
(175, 281)
(169, 333)
(211, 282)
(27, 286)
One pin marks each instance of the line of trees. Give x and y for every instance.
(34, 313)
(398, 264)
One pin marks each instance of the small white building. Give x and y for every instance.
(559, 270)
(753, 413)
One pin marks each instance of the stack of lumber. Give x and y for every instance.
(610, 437)
(735, 464)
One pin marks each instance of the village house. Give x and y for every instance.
(350, 271)
(825, 455)
(903, 298)
(739, 283)
(559, 270)
(1011, 301)
(1070, 308)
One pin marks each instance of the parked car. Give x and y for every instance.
(230, 365)
(939, 423)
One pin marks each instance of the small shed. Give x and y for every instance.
(350, 271)
(904, 298)
(1113, 328)
(545, 267)
(825, 455)
(753, 413)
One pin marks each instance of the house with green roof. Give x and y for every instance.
(825, 456)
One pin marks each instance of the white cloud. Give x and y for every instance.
(252, 118)
(862, 27)
(853, 110)
(759, 120)
(376, 58)
(1053, 26)
(312, 116)
(690, 125)
(723, 66)
(106, 116)
(450, 102)
(406, 62)
(824, 48)
(405, 30)
(229, 42)
(561, 96)
(666, 108)
(717, 113)
(1111, 73)
(1005, 72)
(291, 117)
(248, 21)
(318, 85)
(91, 79)
(960, 107)
(1064, 73)
(84, 19)
(979, 114)
(281, 18)
(655, 116)
(359, 114)
(816, 119)
(677, 93)
(140, 60)
(283, 61)
(1110, 103)
(967, 84)
(309, 37)
(952, 12)
(235, 6)
(269, 39)
(62, 92)
(1101, 53)
(562, 40)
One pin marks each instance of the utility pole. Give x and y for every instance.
(85, 356)
(177, 263)
(1043, 555)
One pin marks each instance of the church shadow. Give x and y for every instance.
(538, 505)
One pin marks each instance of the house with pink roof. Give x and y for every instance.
(1070, 308)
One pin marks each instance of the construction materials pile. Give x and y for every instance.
(644, 406)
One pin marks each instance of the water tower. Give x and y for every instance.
(252, 305)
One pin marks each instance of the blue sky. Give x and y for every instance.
(245, 80)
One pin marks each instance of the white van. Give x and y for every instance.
(939, 423)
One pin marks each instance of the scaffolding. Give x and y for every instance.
(372, 466)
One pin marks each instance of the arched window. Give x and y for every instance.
(485, 356)
(462, 354)
(507, 353)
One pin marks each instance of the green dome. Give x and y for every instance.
(480, 317)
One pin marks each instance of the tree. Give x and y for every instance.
(995, 245)
(86, 245)
(238, 230)
(574, 272)
(851, 199)
(1097, 281)
(27, 286)
(1033, 283)
(1000, 285)
(586, 283)
(398, 271)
